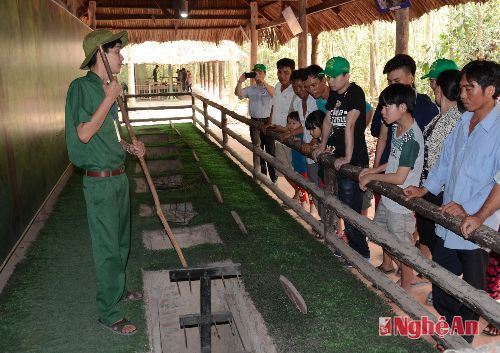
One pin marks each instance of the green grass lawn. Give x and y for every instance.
(48, 304)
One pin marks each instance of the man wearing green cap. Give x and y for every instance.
(437, 67)
(259, 97)
(346, 108)
(93, 145)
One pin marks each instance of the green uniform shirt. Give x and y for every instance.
(103, 151)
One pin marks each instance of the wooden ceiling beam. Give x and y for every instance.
(144, 7)
(162, 28)
(131, 17)
(325, 5)
(267, 17)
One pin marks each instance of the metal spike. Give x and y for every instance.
(185, 338)
(231, 327)
(223, 283)
(190, 289)
(178, 288)
(216, 330)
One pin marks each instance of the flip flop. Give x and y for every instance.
(385, 271)
(131, 296)
(491, 330)
(118, 327)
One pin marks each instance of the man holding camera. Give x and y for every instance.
(259, 97)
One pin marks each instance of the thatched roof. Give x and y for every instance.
(217, 20)
(182, 52)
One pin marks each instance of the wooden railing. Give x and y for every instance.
(477, 300)
(160, 107)
(487, 238)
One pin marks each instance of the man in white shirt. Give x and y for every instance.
(282, 100)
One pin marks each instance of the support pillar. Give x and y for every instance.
(402, 30)
(232, 69)
(214, 77)
(209, 81)
(221, 78)
(91, 14)
(131, 79)
(170, 78)
(254, 39)
(302, 54)
(315, 49)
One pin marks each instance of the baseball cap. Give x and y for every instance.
(439, 66)
(336, 66)
(259, 67)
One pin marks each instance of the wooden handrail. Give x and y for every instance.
(483, 236)
(476, 299)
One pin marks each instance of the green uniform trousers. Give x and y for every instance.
(108, 215)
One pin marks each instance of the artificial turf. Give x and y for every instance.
(48, 304)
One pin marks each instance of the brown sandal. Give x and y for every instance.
(119, 326)
(132, 296)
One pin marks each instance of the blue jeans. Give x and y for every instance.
(350, 194)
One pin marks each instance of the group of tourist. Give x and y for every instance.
(184, 80)
(446, 150)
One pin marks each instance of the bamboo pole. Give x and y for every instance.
(145, 168)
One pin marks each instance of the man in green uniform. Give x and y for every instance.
(94, 145)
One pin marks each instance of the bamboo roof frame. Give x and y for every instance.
(215, 21)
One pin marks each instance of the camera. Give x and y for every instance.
(250, 74)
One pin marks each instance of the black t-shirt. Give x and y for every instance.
(339, 105)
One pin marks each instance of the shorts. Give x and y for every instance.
(402, 225)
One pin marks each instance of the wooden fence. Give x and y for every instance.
(477, 300)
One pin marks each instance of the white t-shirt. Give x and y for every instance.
(407, 150)
(310, 107)
(281, 104)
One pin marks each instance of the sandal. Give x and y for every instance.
(384, 270)
(491, 330)
(119, 326)
(132, 296)
(440, 347)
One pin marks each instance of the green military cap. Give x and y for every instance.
(259, 67)
(439, 66)
(336, 66)
(99, 37)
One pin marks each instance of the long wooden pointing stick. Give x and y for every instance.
(145, 168)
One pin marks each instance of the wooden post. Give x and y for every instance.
(193, 104)
(232, 69)
(254, 39)
(402, 30)
(91, 14)
(224, 70)
(170, 78)
(73, 6)
(302, 54)
(204, 67)
(374, 84)
(315, 49)
(205, 116)
(209, 81)
(214, 77)
(327, 214)
(131, 78)
(221, 78)
(223, 120)
(200, 73)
